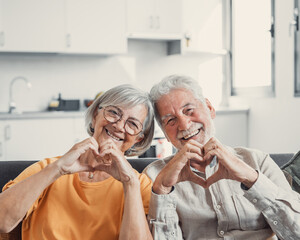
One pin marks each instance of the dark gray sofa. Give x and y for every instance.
(10, 169)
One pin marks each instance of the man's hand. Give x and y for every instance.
(178, 169)
(230, 166)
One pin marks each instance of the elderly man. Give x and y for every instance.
(208, 190)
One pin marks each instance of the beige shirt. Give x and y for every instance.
(225, 210)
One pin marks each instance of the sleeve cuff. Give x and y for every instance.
(163, 206)
(262, 193)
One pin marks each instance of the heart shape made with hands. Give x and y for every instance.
(210, 170)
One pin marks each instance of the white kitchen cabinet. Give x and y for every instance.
(203, 26)
(2, 154)
(154, 19)
(232, 127)
(96, 26)
(32, 25)
(34, 139)
(63, 26)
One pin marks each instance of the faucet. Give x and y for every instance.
(12, 103)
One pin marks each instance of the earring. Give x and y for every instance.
(91, 128)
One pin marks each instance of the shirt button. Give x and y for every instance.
(254, 200)
(275, 222)
(218, 206)
(222, 233)
(173, 233)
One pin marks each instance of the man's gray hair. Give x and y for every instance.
(126, 96)
(174, 82)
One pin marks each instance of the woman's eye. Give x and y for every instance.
(132, 124)
(113, 112)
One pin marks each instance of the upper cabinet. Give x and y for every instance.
(64, 26)
(154, 19)
(96, 26)
(204, 26)
(31, 25)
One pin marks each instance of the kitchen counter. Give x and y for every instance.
(81, 114)
(42, 115)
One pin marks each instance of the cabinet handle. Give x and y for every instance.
(7, 133)
(2, 39)
(68, 40)
(151, 20)
(157, 22)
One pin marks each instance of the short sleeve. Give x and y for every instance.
(146, 186)
(29, 171)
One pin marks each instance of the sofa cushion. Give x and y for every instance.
(292, 167)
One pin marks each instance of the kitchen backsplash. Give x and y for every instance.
(82, 77)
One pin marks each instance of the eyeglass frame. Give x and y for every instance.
(121, 117)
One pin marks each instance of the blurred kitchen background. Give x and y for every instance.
(243, 52)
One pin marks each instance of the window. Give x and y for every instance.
(295, 24)
(252, 47)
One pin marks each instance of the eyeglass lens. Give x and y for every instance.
(114, 114)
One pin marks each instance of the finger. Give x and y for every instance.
(193, 149)
(197, 179)
(195, 143)
(213, 178)
(208, 157)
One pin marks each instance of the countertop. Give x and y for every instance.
(81, 114)
(42, 115)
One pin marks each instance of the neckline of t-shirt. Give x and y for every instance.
(94, 184)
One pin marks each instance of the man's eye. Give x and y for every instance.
(170, 121)
(189, 111)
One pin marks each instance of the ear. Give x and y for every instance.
(210, 108)
(139, 138)
(95, 113)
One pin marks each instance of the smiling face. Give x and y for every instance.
(184, 117)
(104, 130)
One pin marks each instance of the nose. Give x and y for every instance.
(119, 125)
(184, 123)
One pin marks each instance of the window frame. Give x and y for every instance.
(295, 24)
(259, 91)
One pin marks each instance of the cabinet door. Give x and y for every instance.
(35, 139)
(154, 19)
(203, 25)
(96, 26)
(168, 16)
(2, 153)
(140, 17)
(232, 128)
(32, 25)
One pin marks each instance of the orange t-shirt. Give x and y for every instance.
(72, 209)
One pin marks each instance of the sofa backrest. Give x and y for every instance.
(11, 169)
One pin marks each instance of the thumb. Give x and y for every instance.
(197, 179)
(213, 178)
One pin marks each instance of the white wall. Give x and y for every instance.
(274, 122)
(273, 125)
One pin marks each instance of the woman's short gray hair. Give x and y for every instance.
(174, 82)
(126, 95)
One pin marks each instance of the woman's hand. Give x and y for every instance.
(75, 160)
(112, 161)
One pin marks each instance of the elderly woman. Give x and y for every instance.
(91, 192)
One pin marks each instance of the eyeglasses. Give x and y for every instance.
(114, 114)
